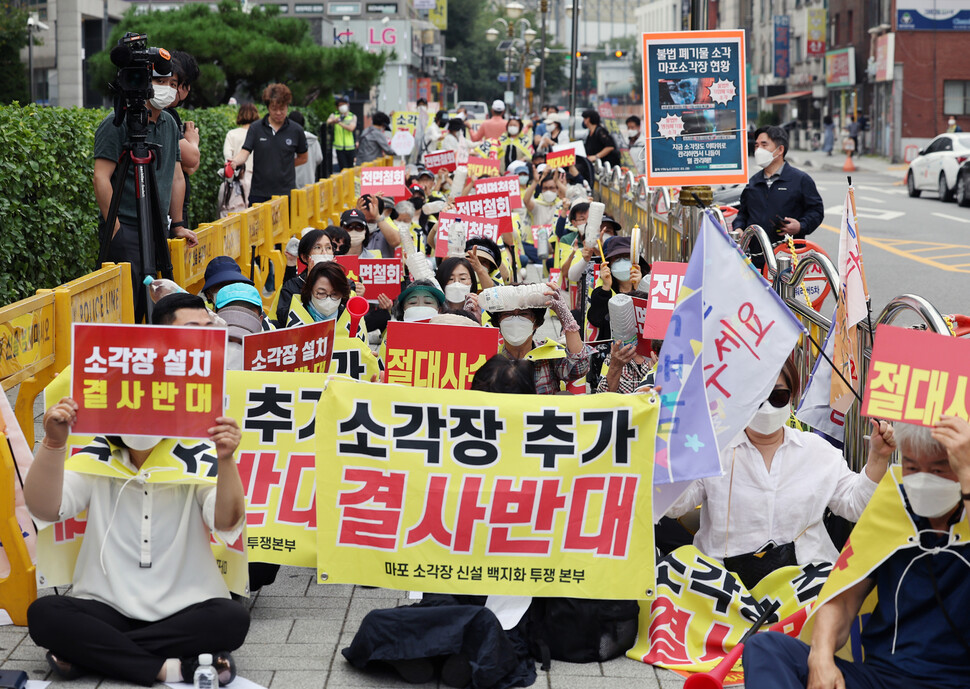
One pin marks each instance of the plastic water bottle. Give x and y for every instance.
(623, 319)
(513, 297)
(419, 268)
(593, 222)
(458, 182)
(456, 240)
(161, 287)
(205, 674)
(542, 242)
(407, 244)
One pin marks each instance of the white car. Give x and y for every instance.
(936, 166)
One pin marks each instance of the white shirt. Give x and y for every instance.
(786, 504)
(156, 555)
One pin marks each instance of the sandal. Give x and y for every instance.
(62, 669)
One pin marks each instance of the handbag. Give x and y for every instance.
(755, 566)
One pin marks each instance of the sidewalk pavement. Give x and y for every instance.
(818, 160)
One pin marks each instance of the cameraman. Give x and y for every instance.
(109, 142)
(186, 70)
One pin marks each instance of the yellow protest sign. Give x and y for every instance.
(472, 492)
(404, 121)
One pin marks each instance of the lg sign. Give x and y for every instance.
(376, 37)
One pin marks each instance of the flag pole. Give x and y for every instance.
(834, 367)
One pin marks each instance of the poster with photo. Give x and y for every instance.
(694, 102)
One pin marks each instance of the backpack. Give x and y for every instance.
(232, 196)
(579, 630)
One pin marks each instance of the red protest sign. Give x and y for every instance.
(440, 160)
(915, 376)
(425, 355)
(537, 229)
(482, 167)
(641, 306)
(492, 206)
(494, 185)
(138, 379)
(666, 277)
(557, 159)
(383, 181)
(474, 227)
(379, 275)
(305, 348)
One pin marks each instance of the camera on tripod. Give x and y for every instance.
(135, 61)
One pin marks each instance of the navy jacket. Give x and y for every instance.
(792, 195)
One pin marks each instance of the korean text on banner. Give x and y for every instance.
(482, 167)
(425, 355)
(306, 348)
(695, 110)
(379, 275)
(473, 492)
(382, 181)
(509, 185)
(558, 159)
(440, 160)
(135, 379)
(720, 359)
(666, 277)
(644, 344)
(495, 206)
(915, 376)
(474, 227)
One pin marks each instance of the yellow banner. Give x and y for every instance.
(472, 492)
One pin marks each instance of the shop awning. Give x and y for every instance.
(783, 98)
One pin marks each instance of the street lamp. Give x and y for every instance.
(33, 24)
(514, 11)
(573, 13)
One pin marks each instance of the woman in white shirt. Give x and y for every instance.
(777, 483)
(235, 138)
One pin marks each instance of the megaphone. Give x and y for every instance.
(357, 307)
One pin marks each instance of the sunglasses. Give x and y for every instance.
(779, 398)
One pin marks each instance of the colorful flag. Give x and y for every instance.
(719, 361)
(815, 409)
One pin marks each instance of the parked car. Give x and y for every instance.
(477, 110)
(961, 193)
(935, 167)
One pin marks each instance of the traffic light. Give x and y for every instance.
(619, 53)
(579, 54)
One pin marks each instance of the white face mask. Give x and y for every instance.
(141, 442)
(621, 269)
(456, 292)
(931, 495)
(632, 133)
(763, 157)
(325, 307)
(164, 96)
(419, 313)
(516, 329)
(549, 196)
(460, 116)
(357, 237)
(343, 109)
(769, 419)
(320, 258)
(513, 131)
(523, 180)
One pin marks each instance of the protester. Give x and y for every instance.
(637, 143)
(779, 198)
(355, 224)
(313, 245)
(458, 280)
(511, 146)
(279, 145)
(343, 123)
(124, 245)
(553, 135)
(488, 256)
(339, 239)
(599, 143)
(420, 301)
(323, 297)
(494, 126)
(241, 307)
(308, 172)
(624, 368)
(382, 236)
(454, 138)
(434, 133)
(917, 635)
(620, 275)
(219, 272)
(778, 481)
(373, 143)
(142, 607)
(828, 136)
(235, 138)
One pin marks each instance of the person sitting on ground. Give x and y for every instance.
(382, 234)
(241, 307)
(619, 276)
(313, 244)
(490, 257)
(324, 297)
(766, 510)
(421, 301)
(339, 239)
(459, 280)
(624, 369)
(142, 607)
(220, 272)
(918, 635)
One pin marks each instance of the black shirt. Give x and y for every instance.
(275, 152)
(792, 194)
(599, 139)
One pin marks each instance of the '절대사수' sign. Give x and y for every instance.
(437, 356)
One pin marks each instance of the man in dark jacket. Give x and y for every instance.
(778, 197)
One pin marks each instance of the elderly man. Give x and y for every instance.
(918, 634)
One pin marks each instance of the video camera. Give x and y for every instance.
(133, 85)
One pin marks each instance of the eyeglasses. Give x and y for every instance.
(779, 398)
(325, 295)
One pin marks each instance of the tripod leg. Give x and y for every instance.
(106, 230)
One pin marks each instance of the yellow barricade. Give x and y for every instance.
(233, 236)
(188, 264)
(19, 588)
(26, 338)
(279, 218)
(321, 201)
(300, 209)
(348, 196)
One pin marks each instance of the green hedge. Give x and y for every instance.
(48, 214)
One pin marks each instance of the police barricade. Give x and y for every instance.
(18, 589)
(27, 330)
(188, 263)
(234, 236)
(300, 207)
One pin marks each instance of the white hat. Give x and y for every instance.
(498, 106)
(516, 166)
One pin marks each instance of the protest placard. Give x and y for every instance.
(666, 277)
(696, 117)
(474, 492)
(482, 167)
(495, 206)
(541, 230)
(383, 181)
(440, 160)
(564, 158)
(425, 355)
(641, 306)
(916, 376)
(474, 227)
(379, 275)
(136, 379)
(578, 147)
(302, 348)
(509, 185)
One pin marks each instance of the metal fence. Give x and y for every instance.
(669, 227)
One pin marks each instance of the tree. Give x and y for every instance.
(239, 53)
(13, 37)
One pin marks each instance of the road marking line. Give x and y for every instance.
(934, 258)
(951, 217)
(885, 246)
(871, 199)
